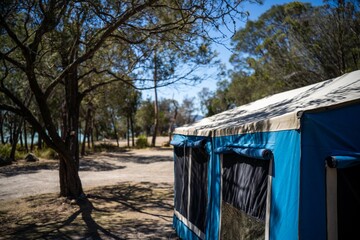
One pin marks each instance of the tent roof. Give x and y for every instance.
(281, 111)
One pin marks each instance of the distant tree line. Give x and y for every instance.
(289, 46)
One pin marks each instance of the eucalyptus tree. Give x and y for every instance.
(117, 104)
(53, 44)
(176, 59)
(289, 46)
(144, 116)
(296, 44)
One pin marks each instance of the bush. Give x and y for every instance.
(106, 147)
(6, 149)
(141, 142)
(47, 153)
(21, 153)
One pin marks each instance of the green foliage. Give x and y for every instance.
(21, 153)
(106, 147)
(46, 153)
(290, 46)
(4, 154)
(6, 149)
(145, 116)
(141, 142)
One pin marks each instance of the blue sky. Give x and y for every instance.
(180, 92)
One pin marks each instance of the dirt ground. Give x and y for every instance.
(129, 196)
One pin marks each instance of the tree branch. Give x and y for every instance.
(107, 32)
(12, 61)
(12, 35)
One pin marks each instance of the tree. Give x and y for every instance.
(144, 116)
(57, 47)
(296, 44)
(177, 61)
(218, 101)
(289, 46)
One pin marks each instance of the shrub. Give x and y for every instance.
(47, 153)
(6, 149)
(141, 142)
(106, 147)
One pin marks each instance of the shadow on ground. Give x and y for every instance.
(94, 162)
(97, 165)
(137, 158)
(127, 211)
(13, 170)
(85, 165)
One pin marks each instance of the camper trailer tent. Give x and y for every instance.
(283, 167)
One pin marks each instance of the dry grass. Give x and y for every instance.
(126, 211)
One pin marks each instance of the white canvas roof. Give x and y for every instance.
(280, 111)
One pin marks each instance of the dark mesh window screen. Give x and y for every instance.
(181, 179)
(348, 202)
(199, 171)
(198, 184)
(244, 189)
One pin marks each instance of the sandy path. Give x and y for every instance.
(149, 165)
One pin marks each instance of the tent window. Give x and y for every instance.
(244, 189)
(198, 190)
(348, 194)
(343, 194)
(191, 173)
(181, 179)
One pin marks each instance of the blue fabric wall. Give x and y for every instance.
(323, 133)
(285, 146)
(298, 208)
(182, 230)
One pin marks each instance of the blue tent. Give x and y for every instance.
(283, 167)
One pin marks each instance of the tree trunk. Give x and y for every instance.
(127, 131)
(156, 107)
(88, 139)
(13, 142)
(32, 140)
(84, 140)
(115, 129)
(39, 143)
(70, 183)
(132, 130)
(20, 137)
(15, 138)
(92, 134)
(25, 138)
(173, 120)
(97, 134)
(2, 127)
(11, 127)
(87, 129)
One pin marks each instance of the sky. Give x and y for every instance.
(179, 92)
